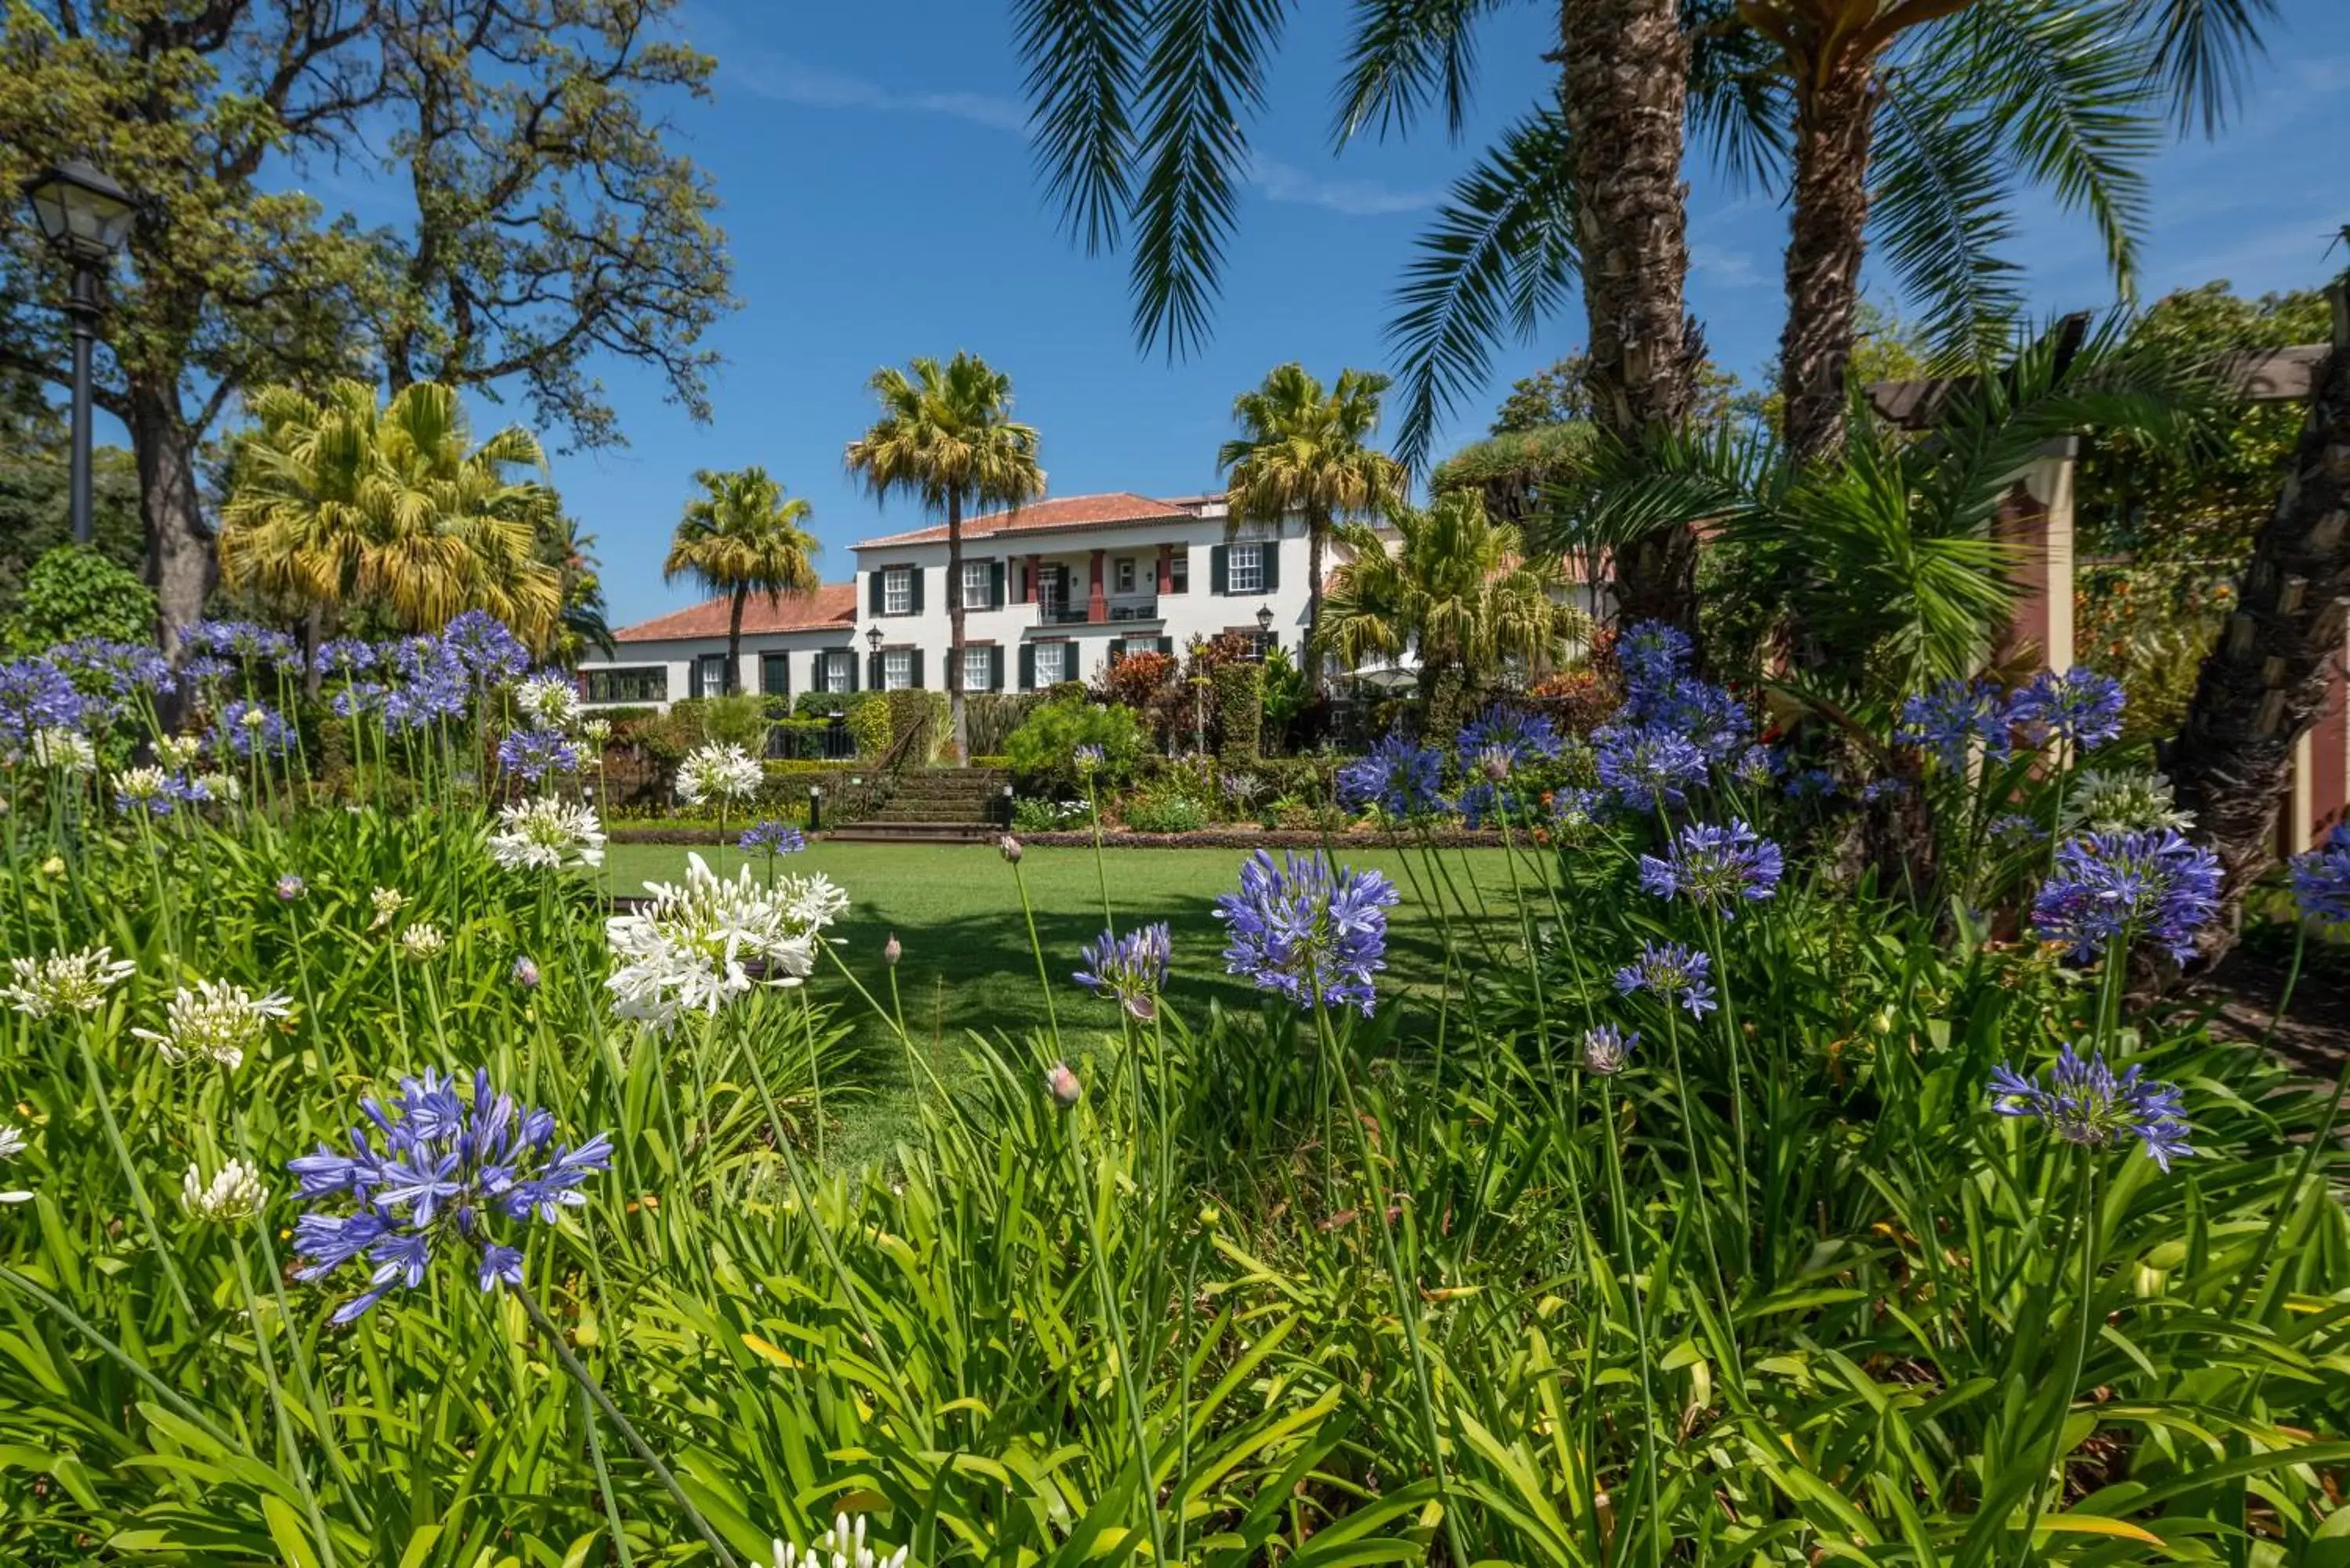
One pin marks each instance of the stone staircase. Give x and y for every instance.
(934, 805)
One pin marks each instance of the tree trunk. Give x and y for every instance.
(2262, 686)
(733, 681)
(179, 561)
(1318, 531)
(1626, 77)
(1824, 244)
(314, 637)
(955, 726)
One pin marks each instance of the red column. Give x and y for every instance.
(1028, 585)
(1166, 567)
(2329, 755)
(2023, 527)
(1097, 607)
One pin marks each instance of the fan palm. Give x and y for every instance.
(947, 438)
(336, 500)
(1458, 588)
(741, 537)
(1306, 452)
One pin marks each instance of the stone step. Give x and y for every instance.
(879, 832)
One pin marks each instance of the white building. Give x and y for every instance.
(1054, 591)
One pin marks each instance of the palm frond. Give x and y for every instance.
(1082, 57)
(2201, 50)
(1203, 78)
(1631, 489)
(1500, 256)
(1738, 104)
(1405, 55)
(1939, 208)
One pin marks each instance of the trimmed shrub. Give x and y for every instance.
(1239, 711)
(989, 717)
(1163, 811)
(73, 592)
(918, 711)
(1044, 750)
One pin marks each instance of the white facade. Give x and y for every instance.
(1055, 592)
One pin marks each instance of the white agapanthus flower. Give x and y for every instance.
(692, 948)
(65, 982)
(843, 1547)
(2117, 802)
(178, 753)
(215, 1022)
(387, 902)
(595, 731)
(220, 785)
(66, 751)
(725, 773)
(546, 835)
(234, 1192)
(550, 699)
(423, 941)
(141, 785)
(12, 1144)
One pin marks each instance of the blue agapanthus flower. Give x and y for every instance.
(2147, 885)
(247, 729)
(1660, 692)
(35, 694)
(1673, 972)
(205, 669)
(2014, 830)
(1875, 789)
(1811, 783)
(1715, 868)
(2084, 1102)
(1759, 766)
(1398, 775)
(1308, 932)
(430, 1167)
(1504, 739)
(1645, 764)
(359, 697)
(1652, 654)
(438, 690)
(1948, 723)
(245, 641)
(484, 648)
(1578, 807)
(1131, 969)
(771, 838)
(2321, 880)
(2080, 706)
(532, 754)
(124, 669)
(344, 656)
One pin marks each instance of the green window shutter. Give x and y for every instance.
(775, 674)
(1216, 571)
(1269, 553)
(995, 584)
(1117, 650)
(995, 669)
(918, 669)
(852, 669)
(1167, 645)
(873, 591)
(1027, 667)
(915, 575)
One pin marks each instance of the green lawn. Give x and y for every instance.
(968, 963)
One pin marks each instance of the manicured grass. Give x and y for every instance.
(968, 963)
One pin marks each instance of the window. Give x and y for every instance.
(636, 683)
(978, 584)
(897, 590)
(1124, 575)
(838, 668)
(775, 674)
(1049, 589)
(978, 667)
(709, 677)
(1052, 663)
(897, 669)
(1179, 572)
(1245, 569)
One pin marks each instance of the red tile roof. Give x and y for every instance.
(1068, 512)
(835, 604)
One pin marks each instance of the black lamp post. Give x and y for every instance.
(86, 217)
(1263, 629)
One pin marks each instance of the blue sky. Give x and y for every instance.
(880, 201)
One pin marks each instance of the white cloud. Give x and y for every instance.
(787, 80)
(1282, 182)
(1734, 268)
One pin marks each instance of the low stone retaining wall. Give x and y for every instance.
(1206, 838)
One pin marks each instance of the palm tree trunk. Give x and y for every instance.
(955, 725)
(734, 642)
(1317, 533)
(314, 637)
(2263, 685)
(1825, 245)
(180, 558)
(1626, 77)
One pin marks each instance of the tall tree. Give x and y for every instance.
(547, 224)
(1458, 589)
(336, 502)
(946, 437)
(743, 537)
(2264, 680)
(1306, 452)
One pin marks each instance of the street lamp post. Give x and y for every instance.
(1263, 629)
(86, 217)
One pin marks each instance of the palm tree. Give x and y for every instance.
(1459, 588)
(336, 500)
(946, 437)
(742, 538)
(1305, 451)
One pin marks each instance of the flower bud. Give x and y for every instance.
(1009, 847)
(1495, 764)
(1062, 1080)
(290, 888)
(891, 953)
(54, 866)
(526, 973)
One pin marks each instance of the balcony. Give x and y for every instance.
(1117, 610)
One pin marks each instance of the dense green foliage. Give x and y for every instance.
(1043, 748)
(73, 592)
